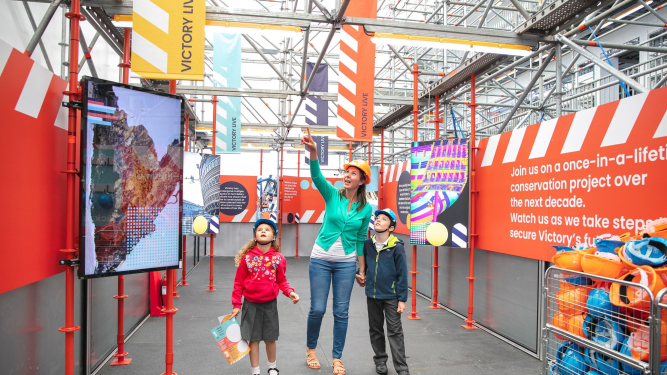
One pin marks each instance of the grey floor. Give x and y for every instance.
(436, 344)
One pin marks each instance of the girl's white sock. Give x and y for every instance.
(272, 365)
(255, 371)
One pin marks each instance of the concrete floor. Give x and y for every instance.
(436, 344)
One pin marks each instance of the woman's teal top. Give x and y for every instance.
(351, 225)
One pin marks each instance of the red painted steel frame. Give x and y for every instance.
(434, 301)
(74, 95)
(298, 174)
(184, 280)
(415, 137)
(169, 309)
(121, 354)
(280, 199)
(473, 235)
(381, 182)
(211, 286)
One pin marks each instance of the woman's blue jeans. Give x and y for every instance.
(324, 274)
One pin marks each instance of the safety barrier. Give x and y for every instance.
(583, 330)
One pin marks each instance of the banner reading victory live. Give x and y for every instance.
(227, 73)
(568, 180)
(357, 76)
(317, 111)
(168, 39)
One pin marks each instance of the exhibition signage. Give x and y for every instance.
(168, 39)
(357, 75)
(317, 110)
(31, 96)
(227, 73)
(238, 199)
(322, 143)
(201, 193)
(568, 180)
(291, 201)
(439, 200)
(396, 193)
(132, 167)
(311, 203)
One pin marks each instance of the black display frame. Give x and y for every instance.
(82, 182)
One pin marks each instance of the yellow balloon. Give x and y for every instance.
(437, 234)
(200, 225)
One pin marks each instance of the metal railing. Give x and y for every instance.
(584, 331)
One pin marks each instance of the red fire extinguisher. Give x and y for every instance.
(158, 291)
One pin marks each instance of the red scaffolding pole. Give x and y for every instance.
(473, 190)
(434, 301)
(121, 354)
(74, 95)
(211, 286)
(381, 182)
(169, 309)
(280, 200)
(415, 137)
(184, 280)
(298, 174)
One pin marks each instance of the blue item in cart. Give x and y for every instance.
(560, 249)
(603, 331)
(593, 372)
(607, 246)
(627, 368)
(601, 363)
(647, 252)
(570, 361)
(578, 280)
(599, 305)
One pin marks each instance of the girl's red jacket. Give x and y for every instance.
(260, 276)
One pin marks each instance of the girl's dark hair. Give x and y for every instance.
(361, 192)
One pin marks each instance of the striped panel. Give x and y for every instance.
(320, 219)
(624, 120)
(490, 152)
(307, 215)
(152, 13)
(578, 130)
(34, 91)
(662, 128)
(239, 218)
(543, 139)
(148, 51)
(514, 145)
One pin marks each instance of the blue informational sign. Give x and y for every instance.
(227, 73)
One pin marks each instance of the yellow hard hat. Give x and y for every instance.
(363, 166)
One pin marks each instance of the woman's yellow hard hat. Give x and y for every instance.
(363, 166)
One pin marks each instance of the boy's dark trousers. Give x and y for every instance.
(378, 311)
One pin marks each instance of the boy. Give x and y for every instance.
(386, 291)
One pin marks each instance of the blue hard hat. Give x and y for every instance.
(607, 246)
(603, 331)
(578, 280)
(388, 212)
(647, 252)
(601, 363)
(627, 368)
(560, 249)
(265, 221)
(599, 305)
(570, 361)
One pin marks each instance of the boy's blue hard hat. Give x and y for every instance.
(265, 221)
(388, 212)
(569, 359)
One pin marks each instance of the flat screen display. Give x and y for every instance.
(201, 194)
(132, 168)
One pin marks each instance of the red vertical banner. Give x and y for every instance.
(238, 199)
(357, 78)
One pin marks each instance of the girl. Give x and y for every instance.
(333, 261)
(260, 274)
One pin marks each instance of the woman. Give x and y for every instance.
(339, 242)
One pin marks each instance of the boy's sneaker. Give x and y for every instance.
(274, 371)
(404, 372)
(381, 368)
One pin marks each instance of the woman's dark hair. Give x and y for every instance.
(361, 192)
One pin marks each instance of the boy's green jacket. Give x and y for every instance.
(351, 225)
